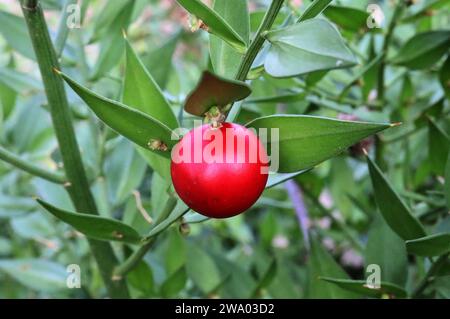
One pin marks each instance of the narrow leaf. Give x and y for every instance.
(202, 269)
(423, 50)
(309, 46)
(340, 16)
(394, 211)
(361, 287)
(95, 226)
(433, 245)
(132, 124)
(314, 9)
(214, 23)
(142, 93)
(444, 77)
(213, 90)
(276, 179)
(305, 141)
(438, 148)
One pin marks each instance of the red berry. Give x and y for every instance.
(219, 172)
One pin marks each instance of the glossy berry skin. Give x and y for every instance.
(219, 189)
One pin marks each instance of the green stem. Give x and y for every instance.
(429, 276)
(137, 256)
(18, 162)
(253, 50)
(387, 42)
(78, 186)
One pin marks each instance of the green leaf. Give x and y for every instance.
(438, 148)
(138, 127)
(394, 211)
(386, 249)
(142, 93)
(215, 23)
(202, 269)
(309, 46)
(444, 77)
(447, 181)
(322, 264)
(37, 274)
(19, 82)
(213, 90)
(141, 279)
(425, 9)
(340, 16)
(433, 245)
(223, 57)
(305, 141)
(423, 50)
(314, 9)
(95, 226)
(13, 28)
(174, 283)
(266, 278)
(277, 179)
(360, 287)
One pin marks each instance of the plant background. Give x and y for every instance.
(264, 252)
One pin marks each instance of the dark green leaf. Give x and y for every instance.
(438, 148)
(174, 283)
(134, 125)
(202, 269)
(37, 274)
(394, 211)
(309, 46)
(142, 93)
(340, 16)
(95, 226)
(267, 278)
(447, 181)
(361, 287)
(305, 141)
(444, 77)
(314, 9)
(141, 280)
(213, 90)
(223, 57)
(215, 23)
(423, 50)
(433, 245)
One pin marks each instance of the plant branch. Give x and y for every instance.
(253, 50)
(429, 276)
(387, 42)
(35, 170)
(78, 186)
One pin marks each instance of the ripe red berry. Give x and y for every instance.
(219, 172)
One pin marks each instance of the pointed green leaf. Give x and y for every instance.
(394, 211)
(423, 50)
(314, 9)
(95, 226)
(340, 16)
(322, 264)
(174, 283)
(202, 269)
(305, 141)
(138, 127)
(37, 274)
(438, 149)
(309, 46)
(433, 245)
(361, 287)
(142, 93)
(141, 280)
(266, 278)
(215, 23)
(213, 90)
(223, 56)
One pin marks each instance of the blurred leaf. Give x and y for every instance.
(433, 245)
(215, 23)
(12, 206)
(425, 10)
(8, 99)
(132, 124)
(387, 250)
(213, 90)
(315, 42)
(19, 82)
(176, 251)
(394, 211)
(223, 57)
(141, 92)
(202, 269)
(159, 164)
(109, 14)
(360, 287)
(279, 98)
(314, 9)
(423, 50)
(174, 283)
(266, 278)
(95, 226)
(438, 148)
(14, 29)
(305, 141)
(444, 77)
(37, 274)
(141, 279)
(340, 16)
(32, 226)
(447, 181)
(277, 178)
(322, 264)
